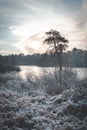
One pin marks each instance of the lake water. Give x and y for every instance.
(39, 71)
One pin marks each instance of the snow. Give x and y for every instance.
(26, 108)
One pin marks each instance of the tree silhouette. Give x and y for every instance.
(57, 44)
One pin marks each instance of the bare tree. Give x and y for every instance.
(57, 45)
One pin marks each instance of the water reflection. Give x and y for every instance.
(81, 72)
(35, 71)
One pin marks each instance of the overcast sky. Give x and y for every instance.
(23, 23)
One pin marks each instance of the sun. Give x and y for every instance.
(35, 45)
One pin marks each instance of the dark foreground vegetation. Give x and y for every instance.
(7, 64)
(74, 58)
(36, 111)
(8, 68)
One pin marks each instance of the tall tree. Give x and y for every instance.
(57, 44)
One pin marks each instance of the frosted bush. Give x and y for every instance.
(45, 82)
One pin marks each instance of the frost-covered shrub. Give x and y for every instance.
(51, 85)
(45, 83)
(69, 79)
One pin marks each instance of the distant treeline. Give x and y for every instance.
(74, 58)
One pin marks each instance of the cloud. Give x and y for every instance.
(21, 20)
(12, 13)
(28, 46)
(81, 23)
(82, 16)
(30, 31)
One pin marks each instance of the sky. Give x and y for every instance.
(23, 24)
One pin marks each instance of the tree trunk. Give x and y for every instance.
(60, 76)
(56, 75)
(56, 68)
(60, 68)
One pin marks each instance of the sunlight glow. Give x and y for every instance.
(35, 45)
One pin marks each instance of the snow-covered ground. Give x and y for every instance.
(27, 105)
(37, 111)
